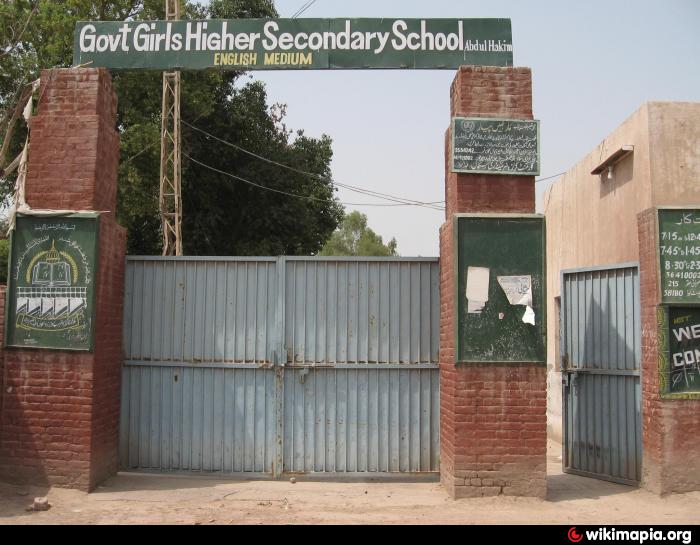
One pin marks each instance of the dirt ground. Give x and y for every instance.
(132, 498)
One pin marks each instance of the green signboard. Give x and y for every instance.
(274, 44)
(679, 255)
(51, 282)
(679, 346)
(500, 297)
(495, 146)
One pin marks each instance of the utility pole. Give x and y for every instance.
(170, 181)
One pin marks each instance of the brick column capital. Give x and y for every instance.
(74, 139)
(488, 91)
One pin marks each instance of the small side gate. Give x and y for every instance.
(273, 365)
(600, 354)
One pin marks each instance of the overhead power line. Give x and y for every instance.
(549, 177)
(400, 201)
(295, 195)
(368, 192)
(303, 8)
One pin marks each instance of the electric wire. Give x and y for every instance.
(377, 194)
(303, 8)
(385, 196)
(417, 203)
(549, 177)
(398, 200)
(135, 155)
(305, 197)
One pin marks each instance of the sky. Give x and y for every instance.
(593, 64)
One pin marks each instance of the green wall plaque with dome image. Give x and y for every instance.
(51, 282)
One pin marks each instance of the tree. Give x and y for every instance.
(221, 214)
(354, 237)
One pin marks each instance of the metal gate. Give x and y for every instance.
(267, 365)
(600, 355)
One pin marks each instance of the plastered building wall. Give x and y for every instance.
(593, 222)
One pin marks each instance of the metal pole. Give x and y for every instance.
(170, 199)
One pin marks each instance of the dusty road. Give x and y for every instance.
(159, 499)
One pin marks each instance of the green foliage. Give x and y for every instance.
(257, 221)
(354, 237)
(221, 216)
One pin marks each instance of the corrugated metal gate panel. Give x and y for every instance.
(602, 318)
(205, 388)
(601, 343)
(378, 311)
(200, 310)
(197, 418)
(361, 419)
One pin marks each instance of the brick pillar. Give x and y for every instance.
(493, 421)
(670, 427)
(3, 291)
(60, 417)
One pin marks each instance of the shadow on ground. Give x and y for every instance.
(565, 487)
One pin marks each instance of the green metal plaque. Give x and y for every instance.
(284, 44)
(679, 255)
(500, 297)
(679, 351)
(495, 146)
(51, 282)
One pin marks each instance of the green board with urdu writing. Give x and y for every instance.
(51, 282)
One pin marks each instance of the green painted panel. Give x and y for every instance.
(51, 282)
(679, 254)
(495, 146)
(508, 246)
(679, 343)
(286, 44)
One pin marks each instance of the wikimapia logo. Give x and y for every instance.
(573, 535)
(635, 536)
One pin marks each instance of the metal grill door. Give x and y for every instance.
(600, 357)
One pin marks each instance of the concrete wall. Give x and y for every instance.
(674, 141)
(593, 222)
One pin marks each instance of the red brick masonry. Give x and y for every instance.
(60, 409)
(484, 91)
(493, 421)
(670, 427)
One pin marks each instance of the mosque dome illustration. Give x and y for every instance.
(52, 270)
